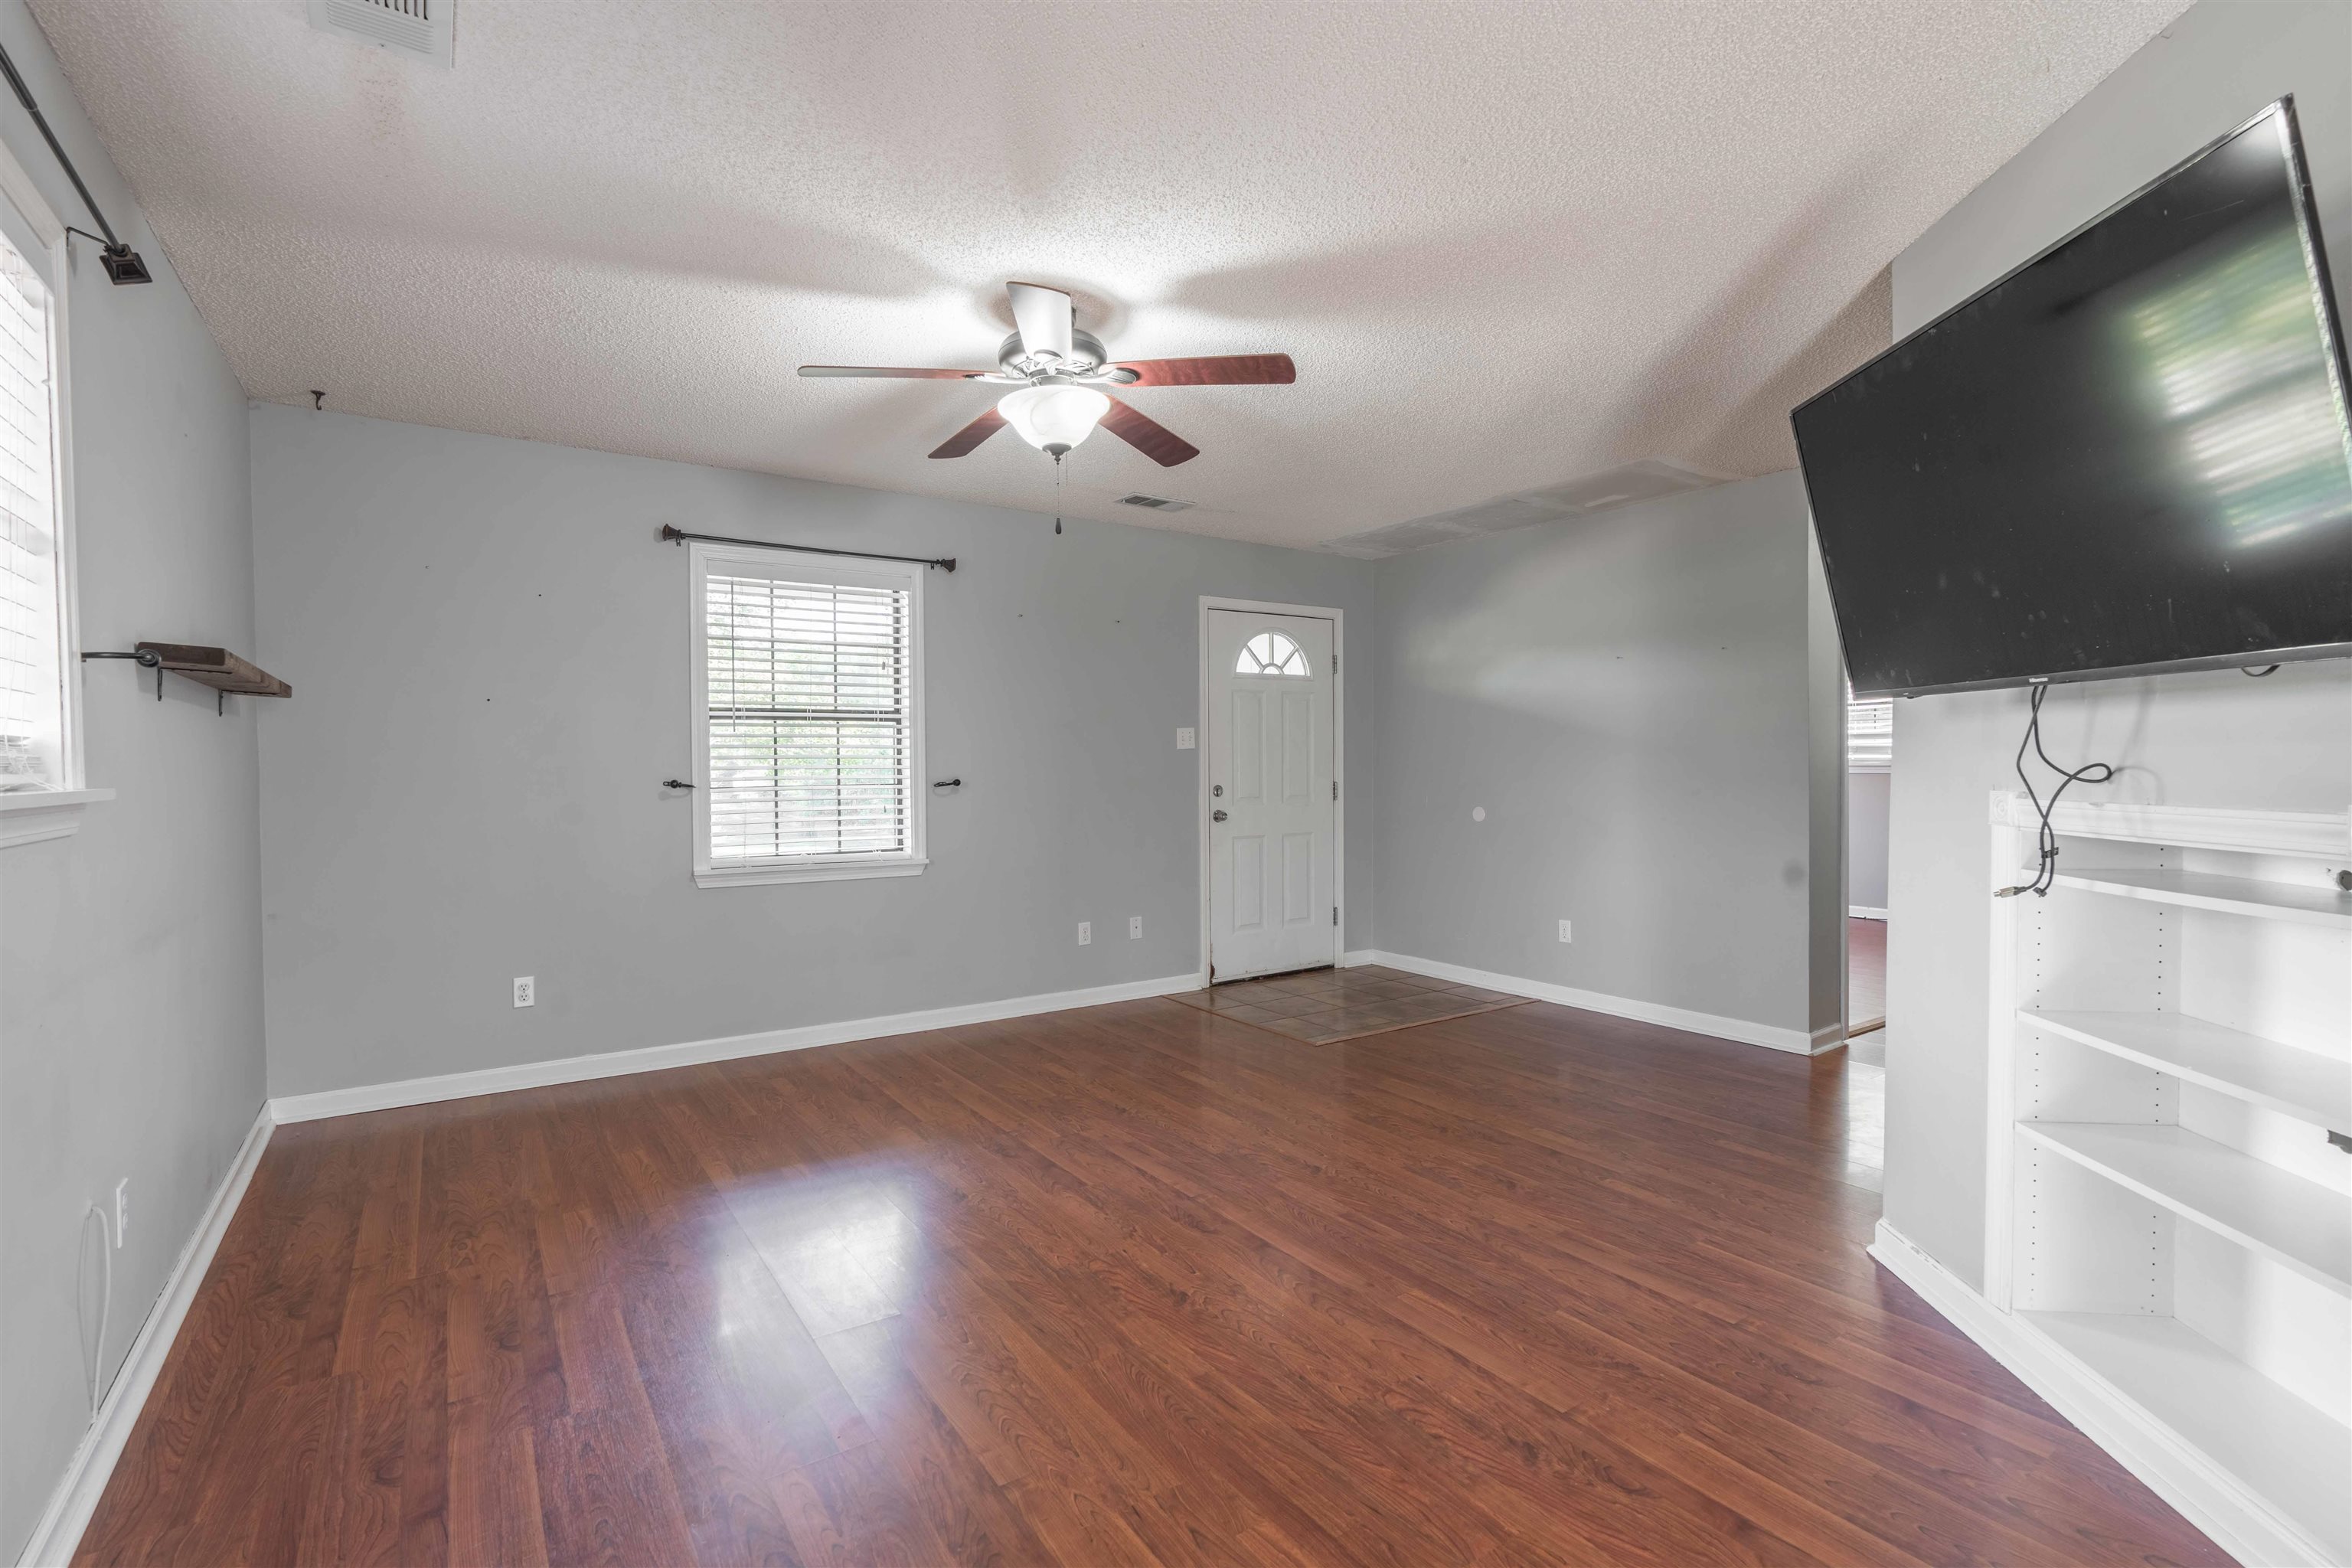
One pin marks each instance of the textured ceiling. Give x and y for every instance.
(1508, 246)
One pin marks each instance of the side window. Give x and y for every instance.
(1869, 730)
(36, 749)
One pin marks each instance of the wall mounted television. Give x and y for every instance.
(2131, 454)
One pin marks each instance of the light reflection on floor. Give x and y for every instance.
(841, 1238)
(1865, 1110)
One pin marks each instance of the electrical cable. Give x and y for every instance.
(2046, 841)
(105, 1299)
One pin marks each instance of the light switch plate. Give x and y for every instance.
(1183, 739)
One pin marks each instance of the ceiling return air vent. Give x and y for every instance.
(424, 28)
(1157, 503)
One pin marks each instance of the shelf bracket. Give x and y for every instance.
(145, 659)
(217, 668)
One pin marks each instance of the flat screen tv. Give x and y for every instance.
(2131, 454)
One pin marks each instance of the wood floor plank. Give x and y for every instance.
(1132, 1284)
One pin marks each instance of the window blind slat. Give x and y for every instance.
(31, 689)
(811, 714)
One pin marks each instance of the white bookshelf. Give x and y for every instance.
(2276, 1213)
(2245, 1421)
(2170, 1045)
(2302, 1084)
(2249, 896)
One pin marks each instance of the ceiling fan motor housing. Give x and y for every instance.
(1087, 355)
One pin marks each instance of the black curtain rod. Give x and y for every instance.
(678, 535)
(122, 263)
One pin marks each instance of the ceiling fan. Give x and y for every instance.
(1057, 371)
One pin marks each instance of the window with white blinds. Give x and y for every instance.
(808, 692)
(1869, 730)
(32, 641)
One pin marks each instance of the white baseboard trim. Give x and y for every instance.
(1747, 1034)
(1356, 958)
(2239, 1522)
(656, 1058)
(92, 1465)
(1865, 912)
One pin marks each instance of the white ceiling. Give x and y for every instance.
(1507, 245)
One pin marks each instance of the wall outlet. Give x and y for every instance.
(526, 991)
(1563, 932)
(122, 1208)
(1183, 739)
(1134, 927)
(1085, 932)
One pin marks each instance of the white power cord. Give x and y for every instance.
(105, 1301)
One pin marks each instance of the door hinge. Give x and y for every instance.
(1335, 664)
(1335, 789)
(1334, 914)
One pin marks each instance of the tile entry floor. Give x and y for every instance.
(1324, 1007)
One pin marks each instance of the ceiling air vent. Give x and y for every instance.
(1157, 503)
(420, 27)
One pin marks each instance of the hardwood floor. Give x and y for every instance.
(1134, 1284)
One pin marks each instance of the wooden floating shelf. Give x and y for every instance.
(2298, 1083)
(2285, 1217)
(2230, 895)
(2267, 1439)
(216, 668)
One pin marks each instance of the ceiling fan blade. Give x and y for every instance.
(1042, 316)
(888, 373)
(1147, 436)
(1214, 370)
(970, 436)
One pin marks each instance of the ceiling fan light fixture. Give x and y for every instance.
(1054, 417)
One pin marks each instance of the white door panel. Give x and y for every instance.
(1273, 833)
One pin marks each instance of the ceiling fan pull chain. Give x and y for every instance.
(1058, 490)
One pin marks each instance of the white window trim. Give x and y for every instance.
(31, 815)
(701, 559)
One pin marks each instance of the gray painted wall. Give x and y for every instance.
(1628, 698)
(129, 954)
(491, 651)
(1866, 797)
(2284, 743)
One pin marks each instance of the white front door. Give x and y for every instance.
(1272, 837)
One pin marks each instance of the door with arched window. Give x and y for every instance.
(1272, 838)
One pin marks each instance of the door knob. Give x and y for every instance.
(1216, 816)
